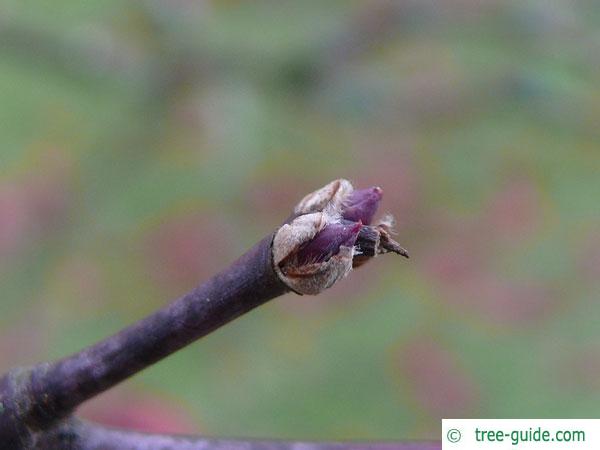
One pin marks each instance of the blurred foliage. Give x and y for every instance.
(145, 144)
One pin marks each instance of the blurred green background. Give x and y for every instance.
(146, 144)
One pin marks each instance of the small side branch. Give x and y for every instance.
(81, 435)
(37, 398)
(312, 251)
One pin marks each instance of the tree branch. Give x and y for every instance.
(312, 251)
(81, 435)
(36, 398)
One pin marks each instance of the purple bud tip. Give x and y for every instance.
(328, 241)
(361, 205)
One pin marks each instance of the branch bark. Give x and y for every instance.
(36, 403)
(76, 434)
(35, 399)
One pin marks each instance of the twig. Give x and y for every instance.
(77, 434)
(309, 253)
(34, 399)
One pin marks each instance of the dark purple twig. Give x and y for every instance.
(77, 434)
(36, 403)
(35, 399)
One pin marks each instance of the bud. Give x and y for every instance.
(314, 251)
(332, 194)
(361, 205)
(328, 241)
(325, 237)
